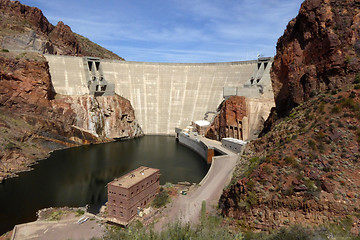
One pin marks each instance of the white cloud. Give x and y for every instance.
(172, 30)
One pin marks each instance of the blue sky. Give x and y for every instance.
(177, 30)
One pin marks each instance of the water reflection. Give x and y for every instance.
(78, 176)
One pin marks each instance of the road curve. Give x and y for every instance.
(187, 208)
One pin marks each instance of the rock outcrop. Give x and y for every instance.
(34, 121)
(240, 117)
(320, 50)
(228, 123)
(26, 28)
(303, 169)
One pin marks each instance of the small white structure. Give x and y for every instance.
(233, 144)
(201, 126)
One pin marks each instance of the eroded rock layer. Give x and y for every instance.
(320, 50)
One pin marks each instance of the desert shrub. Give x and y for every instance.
(357, 79)
(209, 229)
(311, 144)
(79, 212)
(292, 233)
(161, 199)
(352, 95)
(5, 50)
(357, 86)
(335, 109)
(56, 215)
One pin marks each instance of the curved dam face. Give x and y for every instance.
(164, 95)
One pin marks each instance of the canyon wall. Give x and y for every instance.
(34, 120)
(319, 51)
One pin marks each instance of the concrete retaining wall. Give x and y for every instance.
(164, 95)
(194, 144)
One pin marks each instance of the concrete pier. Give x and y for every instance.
(165, 95)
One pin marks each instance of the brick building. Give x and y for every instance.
(130, 192)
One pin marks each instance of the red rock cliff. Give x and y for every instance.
(226, 123)
(34, 122)
(320, 50)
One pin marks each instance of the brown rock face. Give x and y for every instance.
(31, 14)
(320, 50)
(63, 36)
(34, 122)
(24, 83)
(228, 122)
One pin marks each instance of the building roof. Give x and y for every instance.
(133, 177)
(202, 123)
(234, 140)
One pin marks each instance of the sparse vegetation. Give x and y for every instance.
(210, 228)
(79, 212)
(56, 215)
(161, 199)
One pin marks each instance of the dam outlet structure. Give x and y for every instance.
(168, 95)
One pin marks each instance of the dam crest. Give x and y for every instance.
(168, 95)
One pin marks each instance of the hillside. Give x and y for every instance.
(26, 28)
(305, 167)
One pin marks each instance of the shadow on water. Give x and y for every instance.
(78, 176)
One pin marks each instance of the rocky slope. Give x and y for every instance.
(304, 169)
(319, 50)
(33, 121)
(26, 28)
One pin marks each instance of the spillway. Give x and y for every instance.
(164, 95)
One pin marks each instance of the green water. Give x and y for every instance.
(78, 176)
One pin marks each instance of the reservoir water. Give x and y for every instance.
(78, 176)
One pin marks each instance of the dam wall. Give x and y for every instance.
(164, 95)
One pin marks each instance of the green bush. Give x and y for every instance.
(56, 216)
(207, 230)
(312, 144)
(161, 199)
(335, 109)
(79, 212)
(5, 50)
(357, 79)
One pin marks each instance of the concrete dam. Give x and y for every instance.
(166, 95)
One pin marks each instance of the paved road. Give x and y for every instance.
(59, 230)
(187, 208)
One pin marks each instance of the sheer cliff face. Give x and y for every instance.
(320, 50)
(105, 118)
(33, 121)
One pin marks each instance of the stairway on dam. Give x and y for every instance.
(167, 95)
